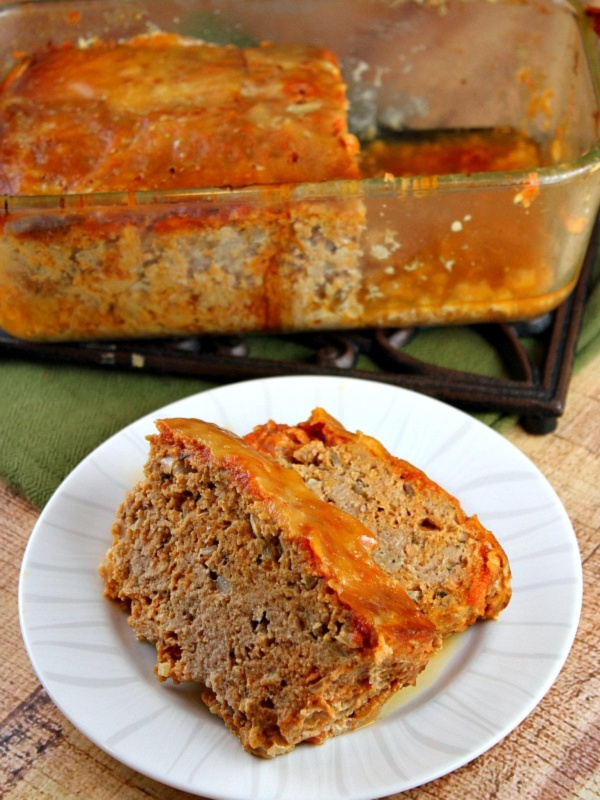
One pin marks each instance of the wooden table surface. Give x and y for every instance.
(553, 755)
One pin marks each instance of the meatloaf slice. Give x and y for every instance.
(267, 596)
(447, 561)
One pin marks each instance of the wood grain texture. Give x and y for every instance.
(553, 755)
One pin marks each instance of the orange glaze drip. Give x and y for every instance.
(338, 545)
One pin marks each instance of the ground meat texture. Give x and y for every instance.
(268, 597)
(448, 562)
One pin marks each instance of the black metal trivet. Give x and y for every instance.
(534, 390)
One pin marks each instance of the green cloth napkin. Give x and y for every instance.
(52, 415)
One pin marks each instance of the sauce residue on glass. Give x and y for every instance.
(449, 152)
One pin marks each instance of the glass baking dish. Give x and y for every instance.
(390, 250)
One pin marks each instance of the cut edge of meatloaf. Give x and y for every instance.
(252, 586)
(447, 561)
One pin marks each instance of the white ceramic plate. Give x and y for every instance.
(485, 682)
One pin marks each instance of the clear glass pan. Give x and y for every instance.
(424, 249)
